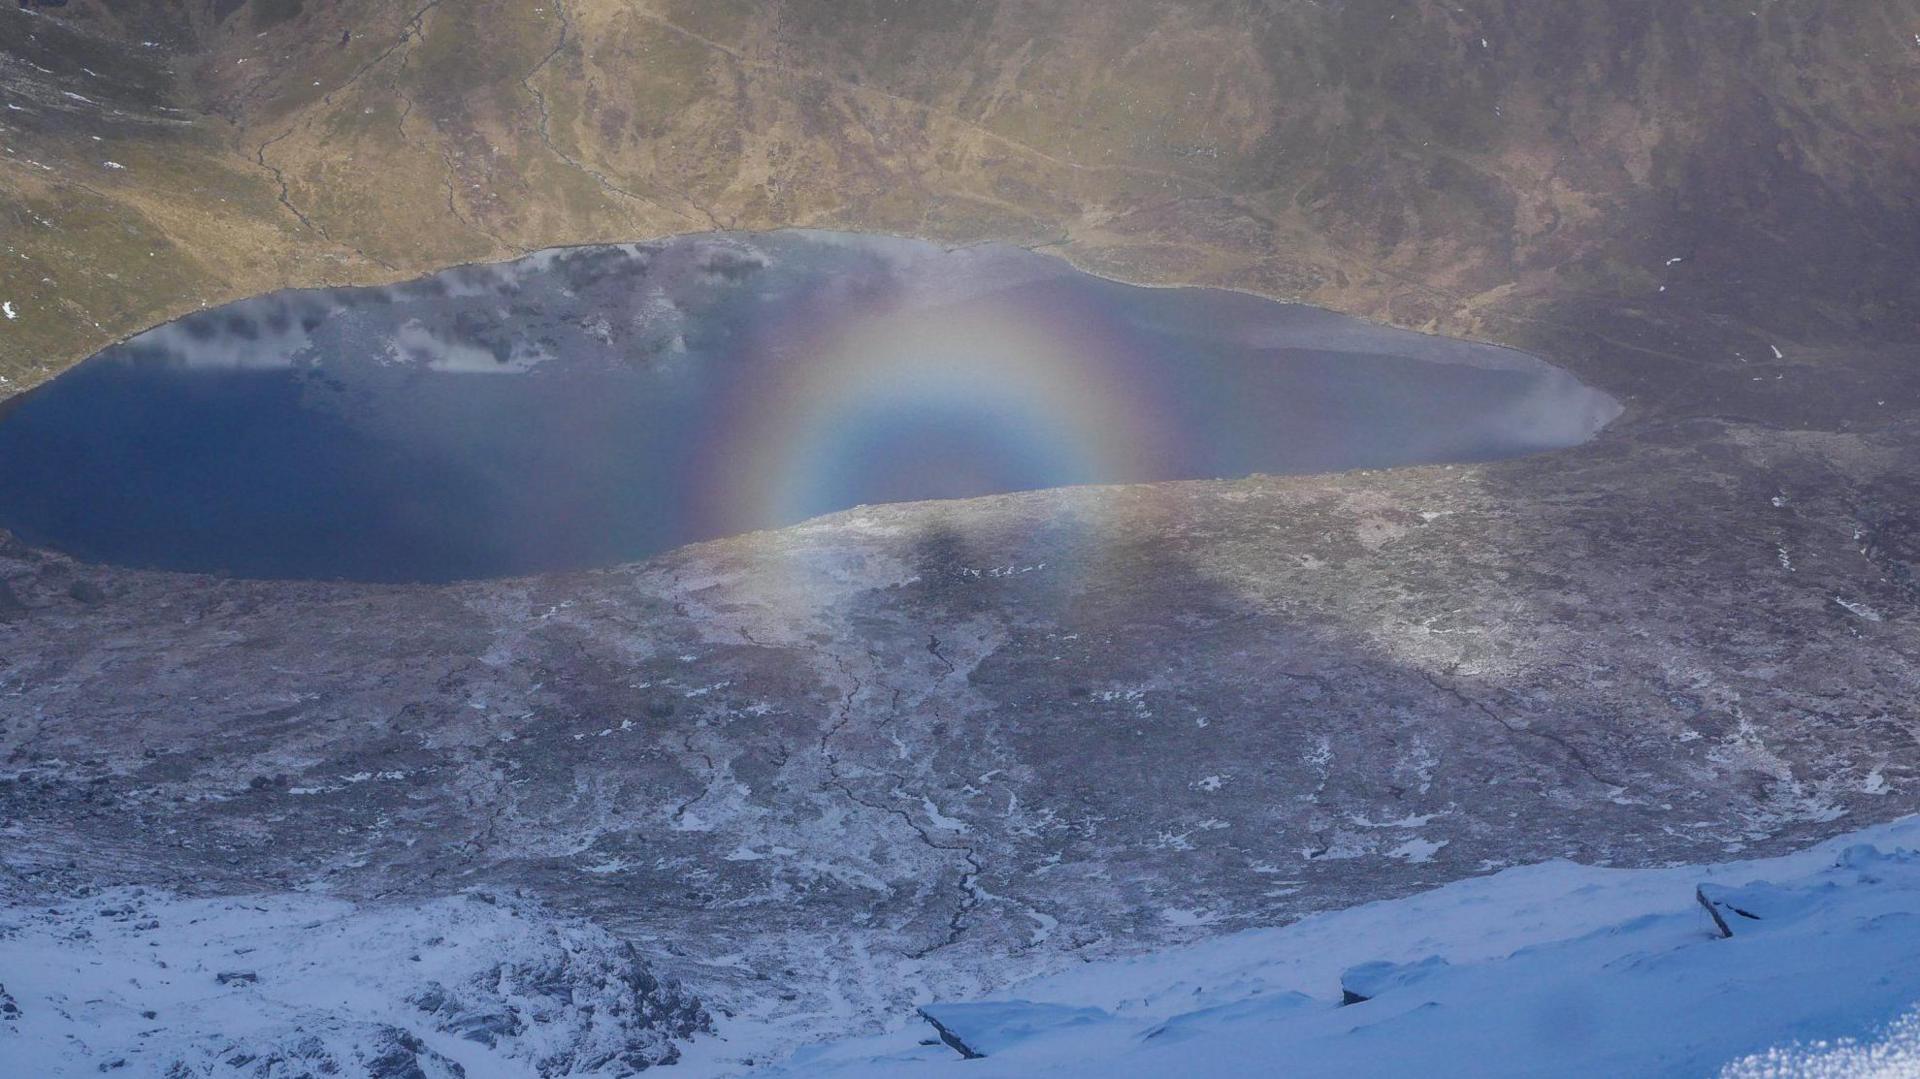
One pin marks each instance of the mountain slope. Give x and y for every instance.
(1470, 167)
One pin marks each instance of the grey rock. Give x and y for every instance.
(487, 1028)
(1719, 909)
(372, 1052)
(952, 1038)
(399, 1055)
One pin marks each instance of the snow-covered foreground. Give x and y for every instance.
(139, 983)
(1556, 969)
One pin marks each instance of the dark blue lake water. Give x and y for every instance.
(590, 406)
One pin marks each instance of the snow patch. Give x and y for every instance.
(147, 983)
(1417, 849)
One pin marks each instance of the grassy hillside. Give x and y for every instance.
(1522, 171)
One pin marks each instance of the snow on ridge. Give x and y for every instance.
(1551, 969)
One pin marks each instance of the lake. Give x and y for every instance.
(584, 407)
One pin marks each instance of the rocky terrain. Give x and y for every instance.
(820, 775)
(817, 773)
